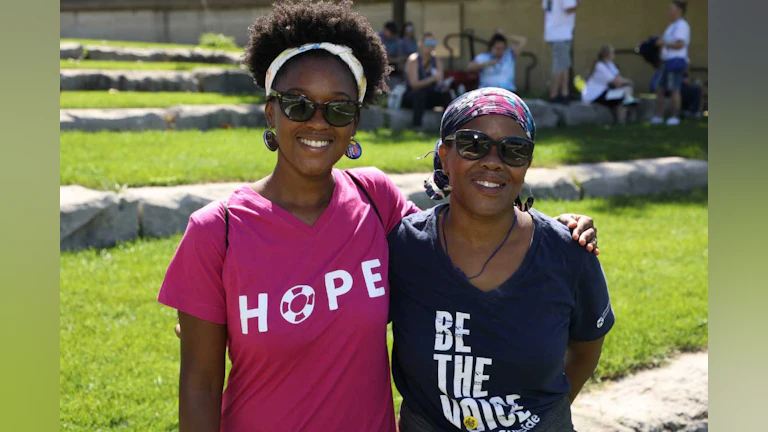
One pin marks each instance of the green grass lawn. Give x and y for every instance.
(119, 356)
(131, 99)
(138, 65)
(136, 44)
(102, 160)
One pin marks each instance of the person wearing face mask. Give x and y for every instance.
(289, 274)
(498, 317)
(408, 42)
(425, 86)
(497, 66)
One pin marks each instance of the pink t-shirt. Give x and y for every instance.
(306, 307)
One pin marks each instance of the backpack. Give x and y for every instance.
(648, 50)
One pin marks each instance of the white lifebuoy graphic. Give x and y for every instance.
(290, 296)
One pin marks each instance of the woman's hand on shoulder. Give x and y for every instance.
(582, 229)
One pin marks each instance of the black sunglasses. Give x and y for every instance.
(299, 108)
(473, 145)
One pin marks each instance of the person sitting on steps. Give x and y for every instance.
(497, 66)
(606, 86)
(425, 88)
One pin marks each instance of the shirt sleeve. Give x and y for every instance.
(603, 74)
(683, 32)
(593, 315)
(567, 4)
(392, 204)
(193, 282)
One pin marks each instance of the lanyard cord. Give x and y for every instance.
(445, 242)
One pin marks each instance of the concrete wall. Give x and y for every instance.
(622, 23)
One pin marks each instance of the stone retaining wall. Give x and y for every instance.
(209, 80)
(239, 81)
(182, 117)
(205, 117)
(90, 218)
(70, 50)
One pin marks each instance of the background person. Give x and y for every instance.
(674, 56)
(497, 66)
(424, 74)
(559, 23)
(409, 44)
(606, 86)
(392, 44)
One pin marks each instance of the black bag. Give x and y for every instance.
(648, 50)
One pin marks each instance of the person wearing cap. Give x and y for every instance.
(425, 86)
(674, 55)
(497, 66)
(498, 317)
(289, 275)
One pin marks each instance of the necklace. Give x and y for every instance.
(445, 243)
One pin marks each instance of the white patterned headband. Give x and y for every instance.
(343, 52)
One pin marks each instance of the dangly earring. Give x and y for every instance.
(437, 185)
(354, 150)
(528, 195)
(270, 140)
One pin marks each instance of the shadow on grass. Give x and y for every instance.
(697, 197)
(588, 144)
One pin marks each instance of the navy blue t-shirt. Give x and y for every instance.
(493, 360)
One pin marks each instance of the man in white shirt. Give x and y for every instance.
(674, 57)
(559, 22)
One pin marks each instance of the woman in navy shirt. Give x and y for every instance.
(498, 315)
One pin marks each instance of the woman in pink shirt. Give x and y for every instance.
(290, 273)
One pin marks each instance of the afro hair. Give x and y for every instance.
(295, 23)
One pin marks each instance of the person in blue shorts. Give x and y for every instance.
(674, 55)
(498, 315)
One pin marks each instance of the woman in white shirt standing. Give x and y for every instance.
(606, 86)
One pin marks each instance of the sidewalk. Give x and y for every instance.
(674, 397)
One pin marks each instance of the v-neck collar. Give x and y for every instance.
(287, 217)
(461, 280)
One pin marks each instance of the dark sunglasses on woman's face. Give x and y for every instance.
(473, 145)
(299, 108)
